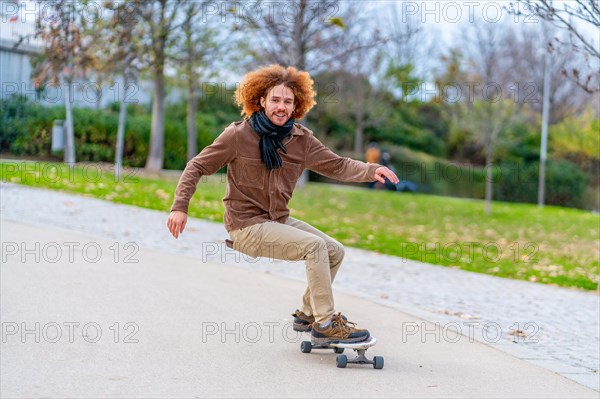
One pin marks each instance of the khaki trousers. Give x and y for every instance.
(293, 241)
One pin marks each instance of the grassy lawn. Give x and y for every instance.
(552, 245)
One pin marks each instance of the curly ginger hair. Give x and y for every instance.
(256, 84)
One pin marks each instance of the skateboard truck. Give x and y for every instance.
(342, 360)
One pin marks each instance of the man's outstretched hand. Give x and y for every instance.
(382, 172)
(176, 222)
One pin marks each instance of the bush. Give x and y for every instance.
(577, 140)
(565, 183)
(26, 129)
(19, 118)
(400, 130)
(13, 110)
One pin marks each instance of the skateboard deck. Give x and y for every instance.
(371, 341)
(342, 360)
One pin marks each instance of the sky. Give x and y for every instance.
(444, 20)
(448, 17)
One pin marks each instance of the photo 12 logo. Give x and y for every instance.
(85, 92)
(453, 332)
(56, 172)
(469, 251)
(278, 12)
(459, 11)
(68, 251)
(249, 332)
(69, 331)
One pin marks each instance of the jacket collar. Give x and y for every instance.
(297, 130)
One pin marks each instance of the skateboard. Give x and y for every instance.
(342, 360)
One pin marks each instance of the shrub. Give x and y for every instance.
(26, 129)
(565, 183)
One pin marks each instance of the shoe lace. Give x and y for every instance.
(340, 326)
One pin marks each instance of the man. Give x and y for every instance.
(266, 152)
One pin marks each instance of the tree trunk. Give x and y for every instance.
(191, 123)
(489, 178)
(303, 179)
(298, 47)
(359, 133)
(70, 133)
(121, 131)
(157, 135)
(298, 60)
(98, 97)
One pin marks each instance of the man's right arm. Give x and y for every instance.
(212, 158)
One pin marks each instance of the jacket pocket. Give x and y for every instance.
(288, 177)
(249, 172)
(291, 171)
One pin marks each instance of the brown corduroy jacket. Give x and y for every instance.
(254, 193)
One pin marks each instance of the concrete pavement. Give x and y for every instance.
(561, 327)
(86, 317)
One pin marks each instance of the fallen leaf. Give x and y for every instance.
(517, 333)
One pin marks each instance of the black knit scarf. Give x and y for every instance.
(271, 138)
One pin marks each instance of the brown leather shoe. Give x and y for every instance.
(339, 330)
(302, 322)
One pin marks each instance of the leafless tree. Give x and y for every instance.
(487, 113)
(361, 66)
(309, 35)
(65, 56)
(410, 40)
(522, 74)
(574, 16)
(158, 22)
(119, 51)
(301, 33)
(197, 45)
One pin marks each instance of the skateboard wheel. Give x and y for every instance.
(378, 362)
(306, 346)
(338, 350)
(341, 361)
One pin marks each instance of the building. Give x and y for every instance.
(18, 44)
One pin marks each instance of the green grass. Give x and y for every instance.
(552, 245)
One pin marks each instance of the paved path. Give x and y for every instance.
(562, 324)
(96, 325)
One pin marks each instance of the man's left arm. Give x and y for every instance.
(322, 160)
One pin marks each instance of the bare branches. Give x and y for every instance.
(66, 52)
(309, 38)
(572, 17)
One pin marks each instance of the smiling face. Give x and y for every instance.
(279, 104)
